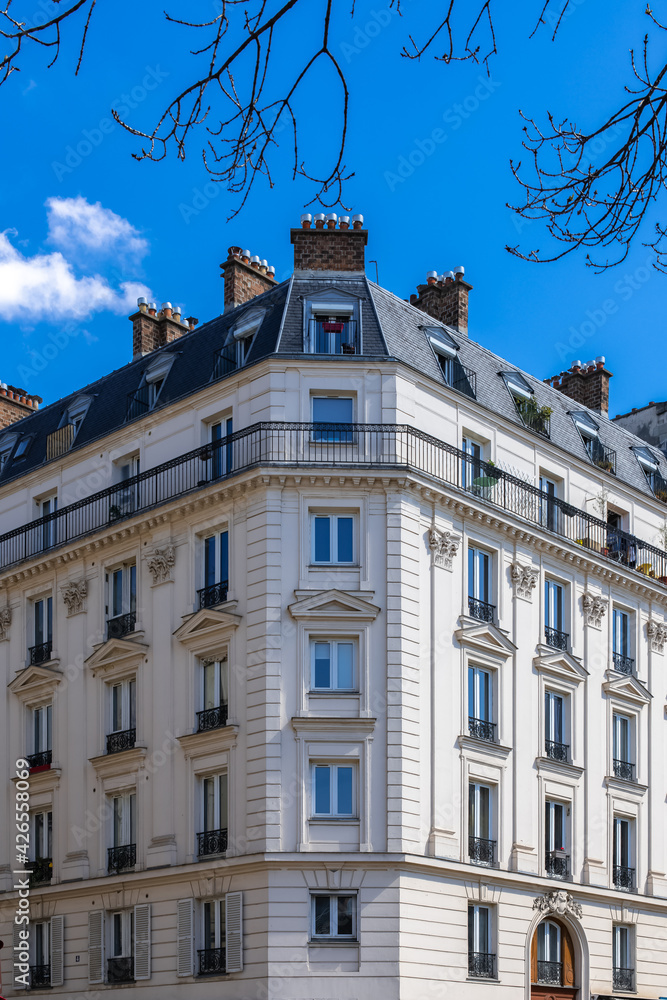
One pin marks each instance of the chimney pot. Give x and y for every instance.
(271, 271)
(254, 262)
(192, 322)
(344, 222)
(431, 277)
(152, 309)
(166, 309)
(357, 222)
(245, 256)
(234, 252)
(306, 220)
(331, 220)
(413, 298)
(319, 221)
(177, 312)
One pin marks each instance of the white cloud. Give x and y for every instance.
(75, 225)
(45, 287)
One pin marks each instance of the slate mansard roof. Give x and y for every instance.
(390, 329)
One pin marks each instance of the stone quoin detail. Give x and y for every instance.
(5, 622)
(444, 545)
(594, 607)
(74, 595)
(160, 564)
(524, 579)
(657, 634)
(559, 902)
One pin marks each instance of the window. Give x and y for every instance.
(531, 413)
(481, 960)
(213, 837)
(624, 973)
(650, 463)
(41, 728)
(40, 955)
(555, 839)
(332, 538)
(624, 872)
(41, 649)
(244, 334)
(556, 747)
(123, 853)
(328, 413)
(214, 924)
(216, 570)
(333, 664)
(126, 499)
(214, 694)
(453, 372)
(333, 790)
(621, 642)
(222, 450)
(548, 507)
(6, 448)
(121, 607)
(470, 464)
(120, 966)
(334, 916)
(22, 447)
(47, 507)
(481, 846)
(145, 398)
(553, 615)
(622, 748)
(332, 327)
(479, 585)
(480, 704)
(123, 716)
(599, 454)
(549, 960)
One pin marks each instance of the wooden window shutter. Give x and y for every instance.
(234, 931)
(533, 958)
(184, 936)
(142, 941)
(18, 942)
(567, 957)
(57, 951)
(96, 946)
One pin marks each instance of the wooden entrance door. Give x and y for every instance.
(553, 973)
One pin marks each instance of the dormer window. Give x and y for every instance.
(61, 440)
(332, 325)
(6, 449)
(651, 466)
(244, 335)
(599, 454)
(23, 447)
(445, 348)
(146, 396)
(534, 416)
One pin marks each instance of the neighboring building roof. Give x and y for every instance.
(391, 328)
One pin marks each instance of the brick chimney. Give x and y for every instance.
(326, 248)
(586, 384)
(15, 404)
(152, 329)
(245, 277)
(445, 298)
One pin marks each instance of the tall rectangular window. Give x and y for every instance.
(124, 828)
(126, 498)
(122, 587)
(333, 790)
(471, 462)
(213, 837)
(621, 632)
(40, 958)
(481, 844)
(214, 927)
(43, 620)
(333, 665)
(48, 507)
(41, 728)
(122, 934)
(556, 746)
(222, 450)
(216, 558)
(623, 851)
(329, 412)
(553, 605)
(215, 683)
(479, 574)
(332, 539)
(622, 746)
(481, 959)
(548, 507)
(557, 861)
(42, 834)
(623, 974)
(334, 916)
(480, 703)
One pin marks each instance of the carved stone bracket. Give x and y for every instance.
(558, 902)
(595, 608)
(524, 579)
(74, 595)
(5, 622)
(444, 545)
(161, 562)
(657, 634)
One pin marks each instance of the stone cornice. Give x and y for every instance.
(210, 741)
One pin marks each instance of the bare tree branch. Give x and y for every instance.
(46, 33)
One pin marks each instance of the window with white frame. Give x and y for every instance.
(210, 932)
(557, 860)
(211, 955)
(548, 947)
(6, 448)
(480, 703)
(215, 569)
(623, 742)
(120, 961)
(41, 735)
(332, 326)
(623, 969)
(126, 498)
(333, 540)
(554, 615)
(40, 954)
(41, 834)
(331, 414)
(481, 953)
(481, 841)
(122, 715)
(244, 333)
(333, 664)
(121, 607)
(334, 791)
(556, 707)
(548, 508)
(623, 853)
(480, 604)
(23, 446)
(219, 436)
(623, 661)
(214, 694)
(334, 916)
(42, 630)
(123, 852)
(471, 463)
(47, 506)
(212, 838)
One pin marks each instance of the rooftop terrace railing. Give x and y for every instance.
(350, 446)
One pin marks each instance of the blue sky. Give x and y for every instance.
(86, 227)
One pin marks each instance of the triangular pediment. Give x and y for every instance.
(627, 688)
(334, 604)
(560, 663)
(485, 637)
(203, 631)
(115, 652)
(35, 681)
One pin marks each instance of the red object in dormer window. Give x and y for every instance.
(333, 327)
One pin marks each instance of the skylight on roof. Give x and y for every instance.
(517, 385)
(585, 424)
(441, 341)
(646, 458)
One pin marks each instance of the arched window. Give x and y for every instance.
(552, 955)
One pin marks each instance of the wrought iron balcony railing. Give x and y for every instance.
(459, 377)
(624, 877)
(211, 962)
(211, 718)
(43, 758)
(40, 976)
(482, 851)
(550, 973)
(624, 980)
(555, 638)
(41, 652)
(120, 970)
(121, 625)
(124, 740)
(481, 965)
(557, 864)
(119, 859)
(42, 871)
(624, 664)
(482, 730)
(211, 842)
(624, 769)
(557, 751)
(600, 455)
(481, 610)
(208, 597)
(394, 447)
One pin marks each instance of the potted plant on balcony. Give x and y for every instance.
(534, 415)
(484, 486)
(114, 512)
(492, 471)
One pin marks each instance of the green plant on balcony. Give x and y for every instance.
(604, 464)
(534, 415)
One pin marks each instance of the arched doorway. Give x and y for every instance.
(553, 971)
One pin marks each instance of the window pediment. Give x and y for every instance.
(35, 682)
(334, 605)
(117, 765)
(627, 688)
(560, 664)
(206, 630)
(212, 741)
(116, 655)
(485, 637)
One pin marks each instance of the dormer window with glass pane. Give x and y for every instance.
(651, 466)
(454, 373)
(534, 416)
(62, 439)
(599, 454)
(146, 396)
(332, 326)
(244, 336)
